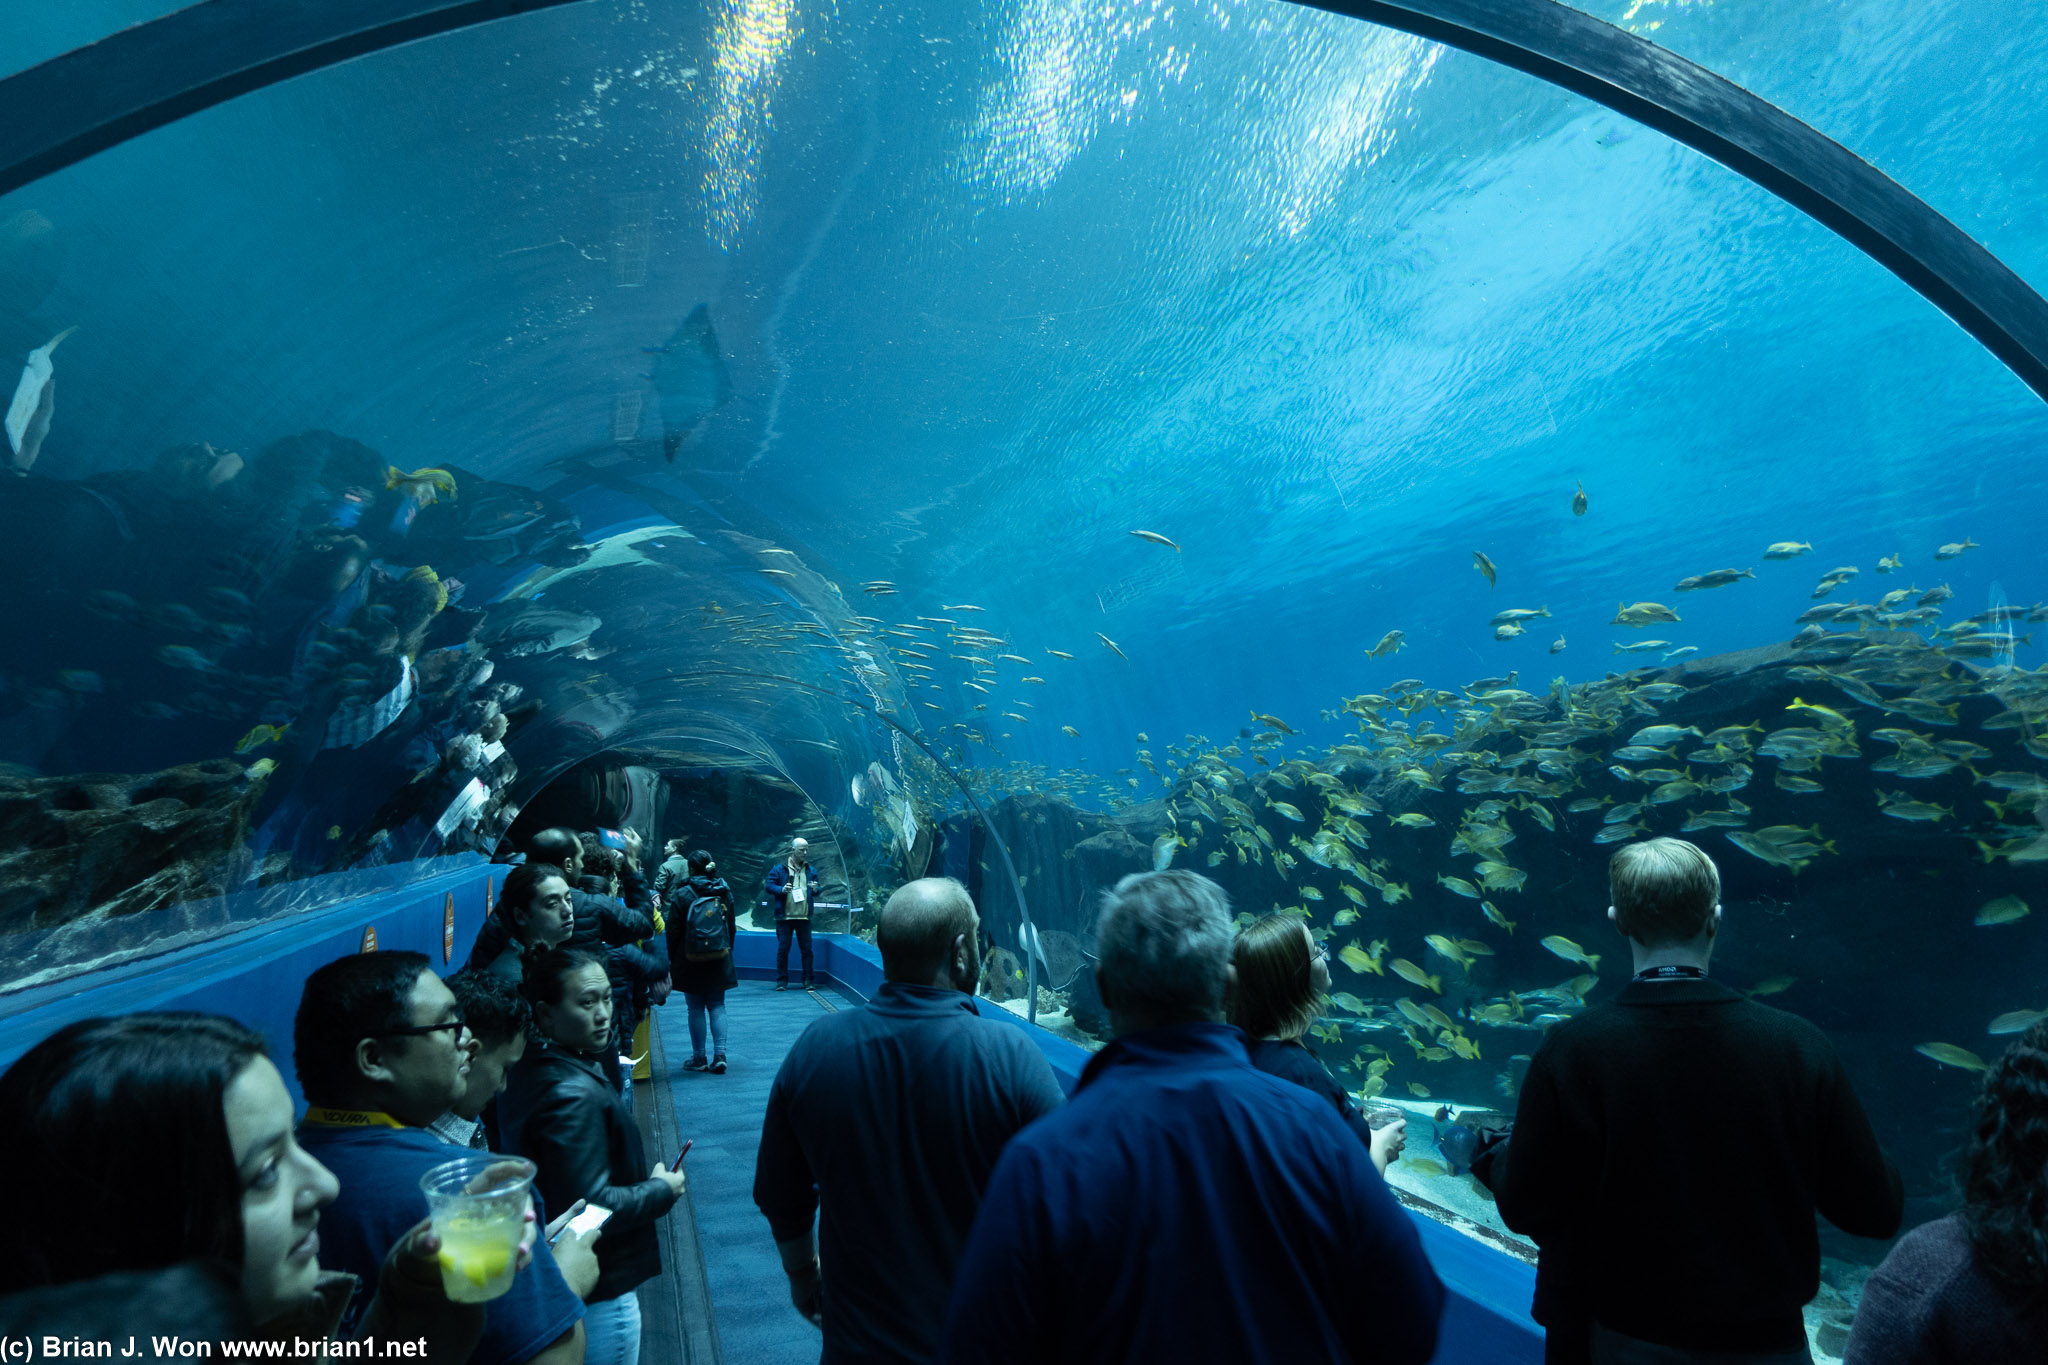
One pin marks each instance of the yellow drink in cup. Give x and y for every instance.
(477, 1255)
(479, 1204)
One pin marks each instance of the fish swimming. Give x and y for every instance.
(1157, 539)
(691, 377)
(35, 399)
(1948, 1054)
(1517, 614)
(1557, 645)
(1889, 563)
(423, 486)
(2004, 910)
(1949, 551)
(1787, 549)
(1570, 951)
(1163, 849)
(1059, 654)
(1508, 631)
(1112, 646)
(1642, 614)
(1579, 501)
(1408, 971)
(1484, 565)
(1718, 578)
(1389, 643)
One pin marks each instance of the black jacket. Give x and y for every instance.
(559, 1111)
(700, 977)
(1669, 1153)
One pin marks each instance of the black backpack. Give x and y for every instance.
(706, 937)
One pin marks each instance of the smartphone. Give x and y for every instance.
(680, 1155)
(593, 1216)
(611, 838)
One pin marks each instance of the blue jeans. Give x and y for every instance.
(801, 929)
(611, 1331)
(702, 1003)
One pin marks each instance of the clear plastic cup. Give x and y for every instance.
(478, 1204)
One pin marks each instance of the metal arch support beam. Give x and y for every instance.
(141, 78)
(1753, 138)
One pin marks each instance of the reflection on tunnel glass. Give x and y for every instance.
(1271, 447)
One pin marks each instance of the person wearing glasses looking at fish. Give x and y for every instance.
(1662, 1239)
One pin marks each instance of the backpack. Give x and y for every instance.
(705, 935)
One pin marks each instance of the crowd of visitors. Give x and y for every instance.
(1206, 1190)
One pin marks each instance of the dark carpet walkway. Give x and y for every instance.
(722, 1116)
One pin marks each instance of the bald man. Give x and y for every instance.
(884, 1124)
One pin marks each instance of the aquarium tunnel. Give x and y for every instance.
(1380, 456)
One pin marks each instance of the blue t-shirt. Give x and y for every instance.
(379, 1169)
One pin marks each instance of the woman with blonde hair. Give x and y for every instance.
(1283, 976)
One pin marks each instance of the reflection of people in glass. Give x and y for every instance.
(790, 885)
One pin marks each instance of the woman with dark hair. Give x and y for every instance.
(101, 1111)
(560, 1111)
(700, 939)
(535, 911)
(1973, 1287)
(1283, 974)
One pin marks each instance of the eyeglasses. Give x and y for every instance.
(458, 1023)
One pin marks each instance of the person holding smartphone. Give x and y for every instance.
(561, 1112)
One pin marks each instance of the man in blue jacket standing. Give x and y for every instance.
(1185, 1205)
(791, 888)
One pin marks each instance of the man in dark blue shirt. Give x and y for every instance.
(893, 1116)
(382, 1051)
(1185, 1205)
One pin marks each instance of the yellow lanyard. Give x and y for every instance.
(350, 1118)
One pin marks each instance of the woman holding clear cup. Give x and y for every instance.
(559, 1110)
(1283, 976)
(146, 1141)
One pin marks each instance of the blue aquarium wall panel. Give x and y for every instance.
(255, 975)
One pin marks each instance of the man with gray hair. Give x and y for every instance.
(1671, 1148)
(1185, 1205)
(790, 886)
(884, 1123)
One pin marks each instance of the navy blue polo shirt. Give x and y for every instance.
(1187, 1206)
(379, 1169)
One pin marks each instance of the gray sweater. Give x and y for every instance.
(1931, 1303)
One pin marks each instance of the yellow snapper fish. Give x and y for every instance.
(1889, 563)
(260, 736)
(1415, 820)
(1642, 614)
(1449, 948)
(1358, 960)
(1389, 643)
(1459, 885)
(1954, 548)
(1485, 566)
(1493, 913)
(1570, 951)
(1408, 971)
(1284, 809)
(1948, 1054)
(2004, 910)
(1315, 894)
(425, 485)
(264, 767)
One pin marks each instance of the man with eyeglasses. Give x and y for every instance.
(382, 1051)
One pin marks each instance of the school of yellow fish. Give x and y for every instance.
(1878, 672)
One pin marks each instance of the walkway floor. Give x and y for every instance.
(722, 1116)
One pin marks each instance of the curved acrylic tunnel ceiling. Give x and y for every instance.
(993, 286)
